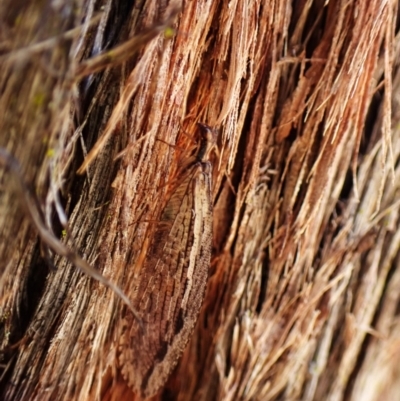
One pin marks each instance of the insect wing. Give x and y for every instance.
(171, 285)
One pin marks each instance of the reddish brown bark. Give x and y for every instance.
(302, 297)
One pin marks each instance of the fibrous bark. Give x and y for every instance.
(302, 298)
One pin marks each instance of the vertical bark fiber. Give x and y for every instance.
(302, 299)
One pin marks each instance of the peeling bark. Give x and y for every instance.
(302, 298)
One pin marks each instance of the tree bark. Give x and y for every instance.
(302, 296)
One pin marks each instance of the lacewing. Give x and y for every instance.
(172, 280)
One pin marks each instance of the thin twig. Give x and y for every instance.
(31, 204)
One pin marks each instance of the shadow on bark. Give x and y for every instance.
(302, 296)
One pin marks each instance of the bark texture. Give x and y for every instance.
(302, 301)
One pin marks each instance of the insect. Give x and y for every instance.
(172, 280)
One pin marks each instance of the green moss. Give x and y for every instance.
(169, 32)
(39, 99)
(50, 152)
